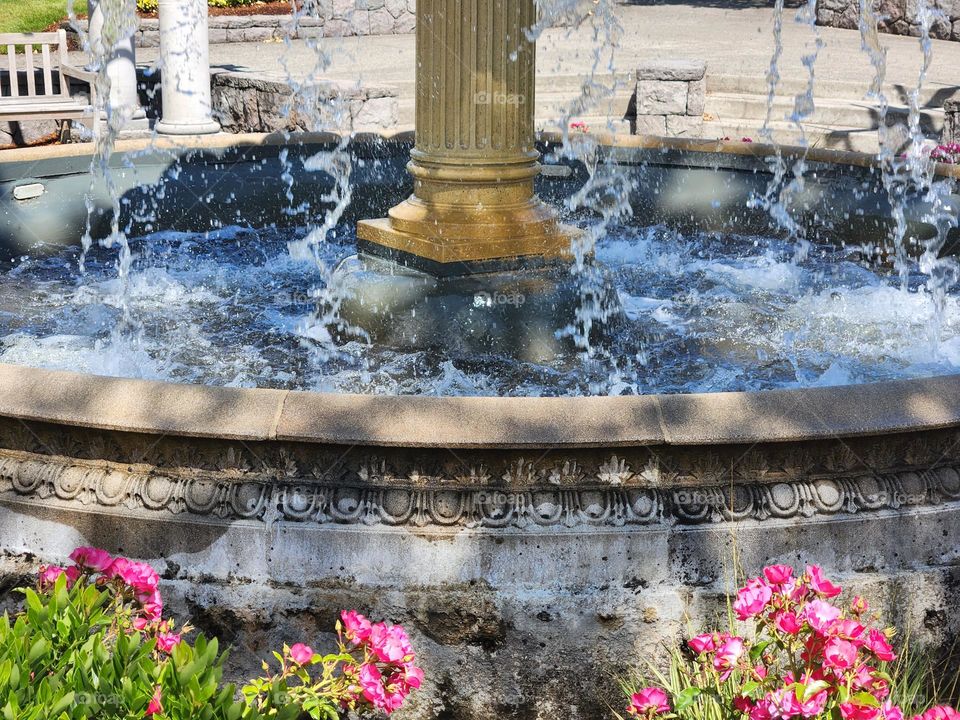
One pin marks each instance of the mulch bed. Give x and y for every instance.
(258, 8)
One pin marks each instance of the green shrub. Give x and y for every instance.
(92, 643)
(70, 657)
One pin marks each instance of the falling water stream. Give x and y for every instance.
(694, 311)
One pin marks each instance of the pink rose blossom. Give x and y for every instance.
(891, 711)
(92, 558)
(853, 711)
(878, 645)
(859, 606)
(743, 704)
(703, 643)
(839, 654)
(778, 574)
(815, 705)
(821, 615)
(849, 630)
(371, 685)
(781, 703)
(166, 642)
(820, 584)
(649, 701)
(156, 705)
(301, 654)
(49, 574)
(787, 622)
(356, 627)
(941, 712)
(727, 657)
(752, 599)
(390, 643)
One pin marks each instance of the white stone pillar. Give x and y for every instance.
(185, 68)
(120, 59)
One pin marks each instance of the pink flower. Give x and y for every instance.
(727, 657)
(778, 574)
(858, 606)
(781, 703)
(820, 584)
(815, 705)
(92, 558)
(853, 711)
(139, 576)
(849, 630)
(355, 626)
(649, 701)
(839, 654)
(821, 615)
(301, 654)
(412, 676)
(878, 645)
(703, 643)
(156, 704)
(787, 622)
(941, 712)
(743, 704)
(371, 685)
(49, 574)
(390, 643)
(166, 642)
(891, 711)
(752, 599)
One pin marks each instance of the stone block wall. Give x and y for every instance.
(951, 122)
(244, 102)
(669, 98)
(900, 17)
(338, 18)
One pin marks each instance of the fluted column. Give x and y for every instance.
(185, 68)
(474, 161)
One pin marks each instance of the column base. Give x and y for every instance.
(444, 254)
(514, 314)
(165, 127)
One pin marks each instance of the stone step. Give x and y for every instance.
(840, 113)
(816, 135)
(933, 94)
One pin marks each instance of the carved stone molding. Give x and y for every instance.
(598, 498)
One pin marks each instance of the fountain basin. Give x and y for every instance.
(533, 546)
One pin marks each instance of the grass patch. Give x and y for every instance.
(20, 16)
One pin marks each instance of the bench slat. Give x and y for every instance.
(23, 38)
(47, 76)
(12, 63)
(28, 61)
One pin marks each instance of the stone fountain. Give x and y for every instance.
(535, 546)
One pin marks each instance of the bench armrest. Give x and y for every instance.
(85, 75)
(78, 73)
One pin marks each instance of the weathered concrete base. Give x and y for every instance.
(522, 624)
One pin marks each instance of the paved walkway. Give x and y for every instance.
(736, 42)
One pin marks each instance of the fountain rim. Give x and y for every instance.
(260, 414)
(224, 141)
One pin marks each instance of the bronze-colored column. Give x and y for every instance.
(474, 161)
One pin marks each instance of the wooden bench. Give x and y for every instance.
(43, 99)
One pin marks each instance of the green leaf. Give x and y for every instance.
(63, 703)
(866, 699)
(38, 649)
(682, 700)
